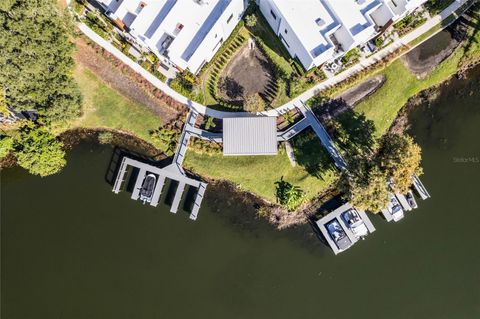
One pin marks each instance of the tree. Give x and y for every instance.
(366, 188)
(288, 195)
(6, 145)
(251, 20)
(399, 159)
(36, 60)
(38, 151)
(254, 103)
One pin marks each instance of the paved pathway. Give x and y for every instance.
(202, 109)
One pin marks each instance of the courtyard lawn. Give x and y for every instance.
(104, 107)
(258, 174)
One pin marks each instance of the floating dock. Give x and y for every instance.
(337, 215)
(171, 172)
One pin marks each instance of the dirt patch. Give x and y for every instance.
(361, 91)
(126, 81)
(248, 72)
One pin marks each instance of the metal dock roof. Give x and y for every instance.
(256, 135)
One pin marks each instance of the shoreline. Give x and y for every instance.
(272, 212)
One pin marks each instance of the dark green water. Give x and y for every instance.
(72, 249)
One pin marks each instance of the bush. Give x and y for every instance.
(105, 137)
(351, 56)
(78, 7)
(6, 145)
(251, 20)
(288, 195)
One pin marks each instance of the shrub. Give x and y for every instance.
(105, 137)
(6, 145)
(251, 20)
(288, 195)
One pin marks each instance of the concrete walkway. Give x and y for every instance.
(202, 109)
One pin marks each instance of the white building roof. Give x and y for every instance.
(311, 21)
(250, 136)
(329, 28)
(180, 26)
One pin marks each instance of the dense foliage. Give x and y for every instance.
(367, 182)
(399, 158)
(38, 151)
(288, 195)
(36, 60)
(6, 145)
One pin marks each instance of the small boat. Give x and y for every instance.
(394, 208)
(411, 200)
(148, 185)
(355, 223)
(338, 235)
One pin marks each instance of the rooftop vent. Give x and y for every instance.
(320, 22)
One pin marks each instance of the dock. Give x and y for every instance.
(403, 202)
(337, 215)
(172, 172)
(421, 190)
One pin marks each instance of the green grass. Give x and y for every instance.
(103, 107)
(383, 106)
(258, 174)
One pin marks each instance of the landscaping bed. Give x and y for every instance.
(248, 72)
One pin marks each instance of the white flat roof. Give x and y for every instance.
(250, 136)
(187, 21)
(302, 16)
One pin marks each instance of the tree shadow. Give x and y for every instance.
(231, 88)
(311, 154)
(353, 133)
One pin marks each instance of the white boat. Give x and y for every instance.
(394, 208)
(353, 220)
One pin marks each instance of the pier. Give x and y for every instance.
(421, 190)
(170, 172)
(351, 237)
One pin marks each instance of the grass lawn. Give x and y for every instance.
(258, 174)
(383, 106)
(103, 107)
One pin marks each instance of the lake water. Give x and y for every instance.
(72, 249)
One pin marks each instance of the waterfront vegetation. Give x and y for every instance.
(395, 161)
(103, 107)
(36, 60)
